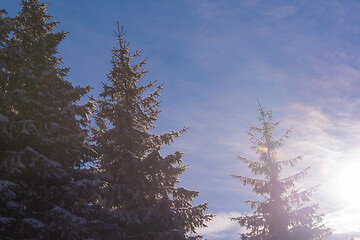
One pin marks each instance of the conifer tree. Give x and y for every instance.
(286, 212)
(42, 138)
(140, 184)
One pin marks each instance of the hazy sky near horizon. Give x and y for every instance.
(302, 58)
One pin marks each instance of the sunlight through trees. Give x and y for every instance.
(285, 212)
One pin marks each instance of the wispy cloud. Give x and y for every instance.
(222, 228)
(327, 143)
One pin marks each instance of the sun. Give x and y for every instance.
(348, 184)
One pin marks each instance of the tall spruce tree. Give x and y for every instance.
(285, 213)
(42, 139)
(140, 184)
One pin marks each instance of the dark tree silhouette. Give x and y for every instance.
(43, 148)
(140, 184)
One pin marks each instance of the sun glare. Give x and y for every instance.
(348, 185)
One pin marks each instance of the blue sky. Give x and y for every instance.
(302, 58)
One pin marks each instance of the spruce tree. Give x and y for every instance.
(43, 147)
(140, 184)
(286, 212)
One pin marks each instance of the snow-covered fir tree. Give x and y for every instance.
(43, 147)
(141, 184)
(286, 212)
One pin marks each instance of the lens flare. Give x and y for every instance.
(261, 148)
